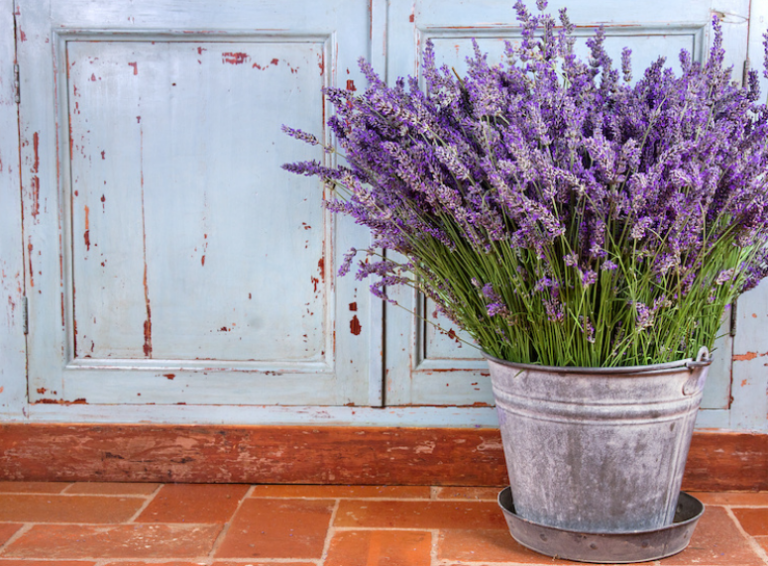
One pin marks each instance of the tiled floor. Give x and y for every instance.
(97, 524)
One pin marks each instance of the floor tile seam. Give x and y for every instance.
(75, 495)
(110, 524)
(25, 527)
(226, 526)
(101, 560)
(329, 533)
(149, 499)
(407, 529)
(756, 547)
(353, 498)
(434, 558)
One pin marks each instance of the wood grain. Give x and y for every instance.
(317, 455)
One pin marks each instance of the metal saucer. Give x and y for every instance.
(605, 548)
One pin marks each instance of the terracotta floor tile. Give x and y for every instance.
(762, 541)
(252, 563)
(67, 509)
(491, 545)
(160, 562)
(346, 491)
(420, 514)
(11, 562)
(106, 488)
(481, 493)
(739, 498)
(32, 487)
(115, 541)
(278, 528)
(754, 521)
(193, 503)
(716, 541)
(7, 530)
(380, 548)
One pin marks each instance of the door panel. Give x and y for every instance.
(171, 259)
(429, 366)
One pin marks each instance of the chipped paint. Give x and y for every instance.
(87, 233)
(351, 85)
(745, 357)
(35, 180)
(148, 321)
(353, 306)
(354, 326)
(135, 66)
(234, 58)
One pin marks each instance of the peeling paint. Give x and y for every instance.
(745, 357)
(35, 181)
(135, 66)
(87, 233)
(31, 270)
(148, 321)
(351, 85)
(234, 58)
(353, 306)
(354, 326)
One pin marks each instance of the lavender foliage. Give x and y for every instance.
(557, 212)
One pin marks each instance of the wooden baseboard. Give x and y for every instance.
(317, 455)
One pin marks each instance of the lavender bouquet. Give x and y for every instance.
(558, 213)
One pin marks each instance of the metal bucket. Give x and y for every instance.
(598, 450)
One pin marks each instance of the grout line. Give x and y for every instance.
(347, 497)
(756, 547)
(329, 533)
(75, 495)
(435, 534)
(148, 499)
(225, 529)
(25, 528)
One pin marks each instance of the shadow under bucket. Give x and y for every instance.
(597, 450)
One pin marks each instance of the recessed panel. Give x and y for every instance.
(188, 241)
(646, 45)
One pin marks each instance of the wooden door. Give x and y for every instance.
(427, 366)
(170, 260)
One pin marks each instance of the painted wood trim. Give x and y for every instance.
(317, 455)
(13, 382)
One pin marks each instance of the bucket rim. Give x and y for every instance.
(703, 359)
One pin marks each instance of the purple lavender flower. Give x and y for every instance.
(549, 177)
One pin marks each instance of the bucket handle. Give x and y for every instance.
(696, 382)
(702, 359)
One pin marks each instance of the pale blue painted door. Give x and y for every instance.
(426, 366)
(170, 259)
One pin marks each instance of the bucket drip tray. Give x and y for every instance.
(605, 548)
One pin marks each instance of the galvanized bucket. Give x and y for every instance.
(598, 450)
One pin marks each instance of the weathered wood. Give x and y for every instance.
(319, 455)
(727, 460)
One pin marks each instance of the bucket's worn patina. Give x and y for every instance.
(598, 450)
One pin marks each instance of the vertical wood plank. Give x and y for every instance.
(13, 386)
